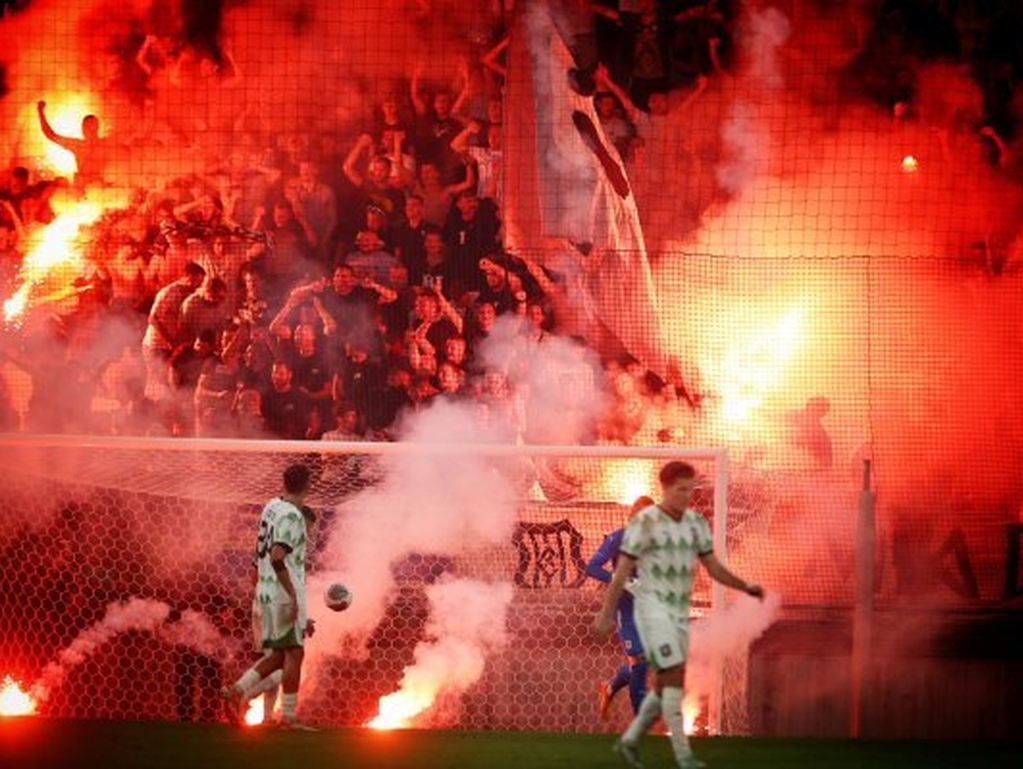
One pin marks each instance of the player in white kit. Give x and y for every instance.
(663, 543)
(280, 592)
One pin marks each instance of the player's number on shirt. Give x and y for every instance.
(265, 540)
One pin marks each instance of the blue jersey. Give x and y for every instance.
(596, 568)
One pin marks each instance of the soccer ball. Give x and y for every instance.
(337, 597)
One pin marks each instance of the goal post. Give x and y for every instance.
(465, 555)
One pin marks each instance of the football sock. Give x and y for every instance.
(269, 703)
(637, 684)
(620, 680)
(289, 705)
(268, 687)
(248, 681)
(268, 684)
(270, 697)
(671, 697)
(648, 713)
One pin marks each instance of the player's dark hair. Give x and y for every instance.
(296, 478)
(672, 471)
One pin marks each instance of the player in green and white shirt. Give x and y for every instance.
(667, 570)
(663, 544)
(280, 592)
(283, 526)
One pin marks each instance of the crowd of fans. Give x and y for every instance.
(308, 285)
(318, 286)
(305, 287)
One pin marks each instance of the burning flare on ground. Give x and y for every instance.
(690, 712)
(399, 708)
(14, 701)
(466, 626)
(254, 715)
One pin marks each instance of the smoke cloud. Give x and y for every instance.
(442, 498)
(466, 626)
(339, 62)
(746, 135)
(722, 635)
(850, 265)
(439, 499)
(192, 630)
(785, 169)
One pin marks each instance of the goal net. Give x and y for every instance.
(471, 606)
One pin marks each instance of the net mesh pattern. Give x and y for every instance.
(787, 231)
(137, 600)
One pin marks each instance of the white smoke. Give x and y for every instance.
(134, 614)
(767, 30)
(193, 630)
(725, 634)
(746, 134)
(442, 497)
(746, 143)
(467, 625)
(557, 377)
(437, 500)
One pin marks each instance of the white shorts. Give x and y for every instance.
(277, 631)
(665, 635)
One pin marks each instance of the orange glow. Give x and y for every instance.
(750, 372)
(398, 709)
(910, 164)
(53, 261)
(254, 715)
(14, 701)
(690, 712)
(65, 113)
(625, 480)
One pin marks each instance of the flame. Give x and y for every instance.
(14, 701)
(690, 712)
(398, 709)
(15, 306)
(254, 715)
(53, 261)
(625, 480)
(750, 372)
(910, 164)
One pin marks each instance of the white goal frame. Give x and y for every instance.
(719, 456)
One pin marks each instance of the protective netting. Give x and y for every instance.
(787, 229)
(135, 597)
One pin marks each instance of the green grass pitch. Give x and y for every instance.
(39, 743)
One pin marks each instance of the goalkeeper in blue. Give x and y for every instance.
(633, 671)
(662, 544)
